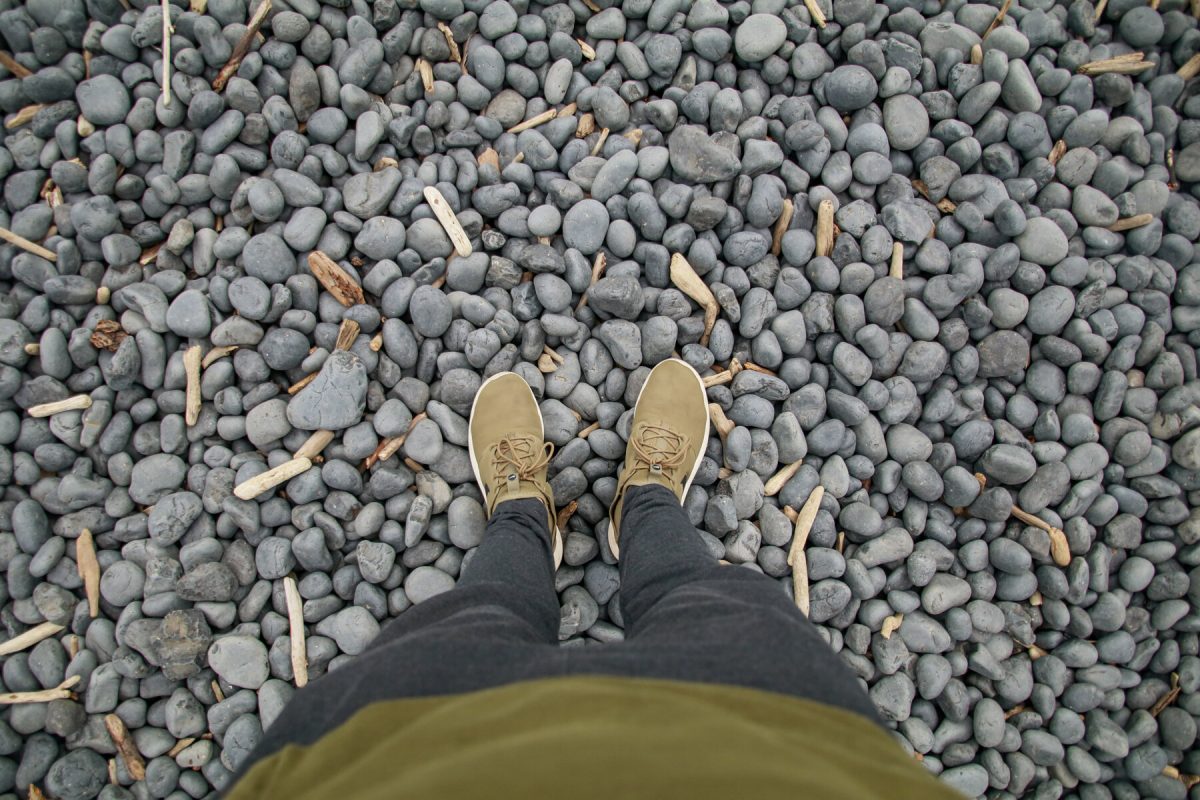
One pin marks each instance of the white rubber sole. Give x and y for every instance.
(554, 534)
(612, 533)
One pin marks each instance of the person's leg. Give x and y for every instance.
(497, 626)
(689, 617)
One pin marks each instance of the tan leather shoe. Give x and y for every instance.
(508, 452)
(667, 438)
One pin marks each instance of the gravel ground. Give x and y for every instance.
(952, 255)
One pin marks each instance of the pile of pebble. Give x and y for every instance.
(951, 244)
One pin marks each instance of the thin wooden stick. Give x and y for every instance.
(300, 384)
(425, 69)
(896, 268)
(216, 354)
(29, 638)
(18, 69)
(1128, 64)
(1103, 4)
(814, 11)
(1170, 697)
(1056, 152)
(589, 430)
(445, 215)
(1188, 781)
(192, 358)
(295, 613)
(253, 487)
(796, 557)
(450, 43)
(313, 446)
(181, 745)
(125, 747)
(25, 244)
(79, 402)
(554, 356)
(780, 478)
(824, 233)
(347, 332)
(1129, 223)
(999, 19)
(533, 122)
(60, 692)
(335, 279)
(24, 115)
(243, 46)
(586, 126)
(688, 282)
(596, 148)
(166, 50)
(389, 447)
(598, 265)
(89, 570)
(1060, 550)
(781, 226)
(721, 422)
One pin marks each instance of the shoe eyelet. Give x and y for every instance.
(656, 467)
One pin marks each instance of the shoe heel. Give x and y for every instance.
(612, 541)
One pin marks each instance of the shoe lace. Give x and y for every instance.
(519, 458)
(657, 448)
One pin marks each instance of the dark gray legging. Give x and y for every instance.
(687, 618)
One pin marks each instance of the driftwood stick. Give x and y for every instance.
(243, 46)
(1190, 68)
(688, 282)
(824, 233)
(79, 402)
(721, 422)
(217, 353)
(425, 69)
(598, 265)
(347, 332)
(1129, 223)
(89, 570)
(313, 446)
(1128, 64)
(814, 11)
(599, 145)
(60, 692)
(24, 115)
(125, 747)
(25, 244)
(295, 612)
(253, 487)
(1060, 549)
(166, 51)
(449, 220)
(192, 358)
(533, 122)
(796, 557)
(780, 478)
(335, 279)
(781, 226)
(18, 69)
(389, 447)
(999, 19)
(29, 638)
(896, 268)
